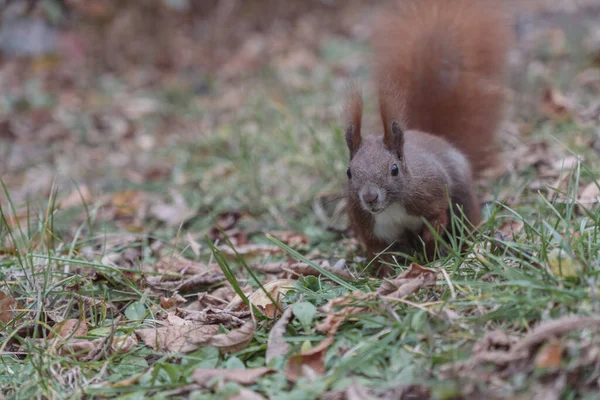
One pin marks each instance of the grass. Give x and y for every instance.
(269, 159)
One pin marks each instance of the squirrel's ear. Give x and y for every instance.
(354, 108)
(395, 139)
(353, 138)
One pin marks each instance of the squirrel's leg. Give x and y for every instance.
(439, 223)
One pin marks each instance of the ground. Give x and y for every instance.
(172, 220)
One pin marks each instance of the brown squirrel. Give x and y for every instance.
(440, 70)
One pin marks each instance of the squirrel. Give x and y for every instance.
(440, 69)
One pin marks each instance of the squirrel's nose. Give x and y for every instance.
(370, 195)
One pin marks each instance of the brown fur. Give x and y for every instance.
(439, 66)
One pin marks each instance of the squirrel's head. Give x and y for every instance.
(377, 172)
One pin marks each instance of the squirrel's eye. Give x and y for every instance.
(349, 173)
(395, 170)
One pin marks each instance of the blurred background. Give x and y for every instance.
(164, 112)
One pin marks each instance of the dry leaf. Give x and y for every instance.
(250, 250)
(555, 105)
(189, 284)
(69, 328)
(557, 327)
(172, 302)
(589, 197)
(511, 228)
(78, 197)
(173, 214)
(259, 298)
(183, 339)
(334, 319)
(211, 316)
(247, 394)
(291, 238)
(7, 306)
(123, 344)
(308, 363)
(277, 346)
(248, 376)
(550, 355)
(408, 282)
(177, 264)
(357, 392)
(127, 203)
(79, 348)
(235, 340)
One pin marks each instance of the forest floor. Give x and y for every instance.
(168, 230)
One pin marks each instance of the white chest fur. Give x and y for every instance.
(391, 223)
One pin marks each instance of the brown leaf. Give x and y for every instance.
(211, 316)
(589, 197)
(78, 197)
(357, 392)
(123, 344)
(127, 203)
(259, 298)
(79, 348)
(291, 238)
(248, 376)
(276, 345)
(235, 340)
(172, 302)
(183, 338)
(408, 282)
(175, 213)
(192, 283)
(557, 327)
(308, 363)
(555, 105)
(7, 306)
(177, 264)
(550, 355)
(247, 394)
(334, 319)
(250, 250)
(511, 228)
(69, 328)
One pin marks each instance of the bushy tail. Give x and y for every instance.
(440, 67)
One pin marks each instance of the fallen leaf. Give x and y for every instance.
(250, 250)
(291, 238)
(357, 392)
(175, 213)
(259, 298)
(7, 306)
(511, 228)
(549, 356)
(408, 282)
(235, 340)
(123, 344)
(177, 264)
(183, 339)
(69, 328)
(212, 316)
(79, 348)
(172, 302)
(127, 203)
(589, 197)
(247, 376)
(192, 283)
(247, 394)
(555, 105)
(276, 345)
(78, 197)
(308, 363)
(333, 318)
(557, 327)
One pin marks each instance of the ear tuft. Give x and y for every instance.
(397, 139)
(354, 108)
